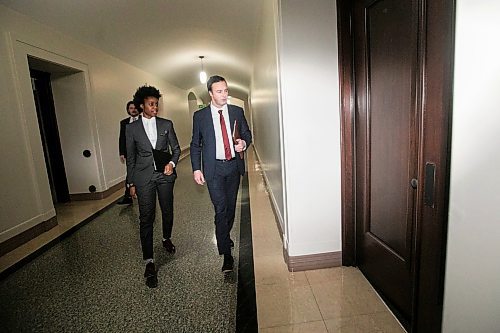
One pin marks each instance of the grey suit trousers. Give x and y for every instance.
(146, 196)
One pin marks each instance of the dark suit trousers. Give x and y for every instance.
(223, 189)
(146, 196)
(127, 190)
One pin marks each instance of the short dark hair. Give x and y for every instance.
(214, 79)
(144, 92)
(128, 104)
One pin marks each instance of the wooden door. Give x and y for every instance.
(396, 66)
(387, 136)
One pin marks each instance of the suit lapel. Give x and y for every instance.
(231, 119)
(157, 132)
(209, 120)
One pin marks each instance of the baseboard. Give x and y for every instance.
(313, 261)
(97, 195)
(184, 153)
(306, 262)
(277, 217)
(25, 236)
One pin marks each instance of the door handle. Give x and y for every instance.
(414, 183)
(430, 180)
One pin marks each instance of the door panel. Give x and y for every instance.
(386, 76)
(396, 72)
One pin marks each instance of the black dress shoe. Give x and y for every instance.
(126, 201)
(151, 275)
(167, 244)
(227, 266)
(231, 242)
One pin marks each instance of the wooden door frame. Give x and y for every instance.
(437, 64)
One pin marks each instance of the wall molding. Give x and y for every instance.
(27, 224)
(313, 261)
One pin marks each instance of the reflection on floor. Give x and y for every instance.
(92, 280)
(326, 300)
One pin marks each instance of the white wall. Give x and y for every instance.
(264, 103)
(311, 125)
(110, 83)
(472, 281)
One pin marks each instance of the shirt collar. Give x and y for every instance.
(215, 110)
(151, 120)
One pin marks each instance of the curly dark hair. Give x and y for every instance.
(144, 92)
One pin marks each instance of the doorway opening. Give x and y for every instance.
(49, 134)
(42, 74)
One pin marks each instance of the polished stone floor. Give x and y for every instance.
(91, 280)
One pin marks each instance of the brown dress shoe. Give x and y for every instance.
(151, 275)
(167, 244)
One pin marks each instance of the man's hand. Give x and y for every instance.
(132, 192)
(198, 177)
(122, 158)
(169, 169)
(240, 145)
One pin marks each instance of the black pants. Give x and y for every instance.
(223, 189)
(127, 191)
(146, 196)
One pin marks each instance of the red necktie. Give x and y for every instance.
(225, 138)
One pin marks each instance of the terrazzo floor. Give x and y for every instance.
(93, 281)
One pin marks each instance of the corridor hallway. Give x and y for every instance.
(89, 277)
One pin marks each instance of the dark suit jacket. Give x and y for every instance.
(122, 145)
(203, 140)
(140, 165)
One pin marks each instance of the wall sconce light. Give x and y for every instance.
(203, 75)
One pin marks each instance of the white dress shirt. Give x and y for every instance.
(219, 142)
(150, 128)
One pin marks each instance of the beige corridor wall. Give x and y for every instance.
(308, 66)
(472, 288)
(110, 83)
(265, 108)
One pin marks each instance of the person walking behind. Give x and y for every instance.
(122, 147)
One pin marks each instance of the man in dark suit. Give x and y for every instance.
(216, 142)
(145, 137)
(122, 147)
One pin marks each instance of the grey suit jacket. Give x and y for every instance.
(140, 166)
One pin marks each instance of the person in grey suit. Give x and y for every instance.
(147, 179)
(220, 136)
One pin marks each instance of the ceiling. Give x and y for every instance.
(163, 37)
